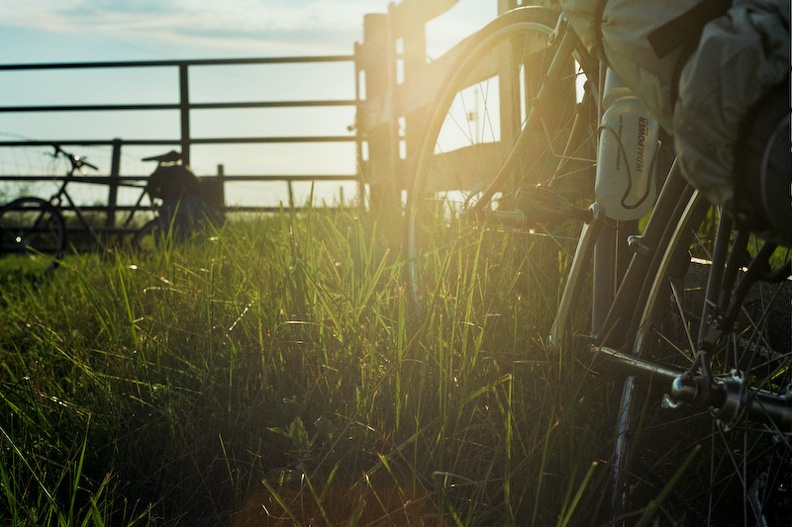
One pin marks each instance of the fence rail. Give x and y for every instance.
(185, 139)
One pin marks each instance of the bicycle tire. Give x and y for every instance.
(743, 474)
(451, 262)
(32, 231)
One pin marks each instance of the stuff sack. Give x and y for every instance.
(172, 182)
(741, 58)
(698, 66)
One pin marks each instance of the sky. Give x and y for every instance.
(46, 31)
(69, 30)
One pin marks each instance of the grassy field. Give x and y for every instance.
(272, 374)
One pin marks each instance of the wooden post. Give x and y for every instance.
(359, 135)
(115, 171)
(386, 103)
(505, 5)
(425, 10)
(221, 182)
(377, 55)
(414, 33)
(509, 96)
(184, 110)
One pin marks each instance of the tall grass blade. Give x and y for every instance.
(52, 502)
(578, 496)
(654, 505)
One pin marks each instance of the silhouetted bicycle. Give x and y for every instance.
(35, 229)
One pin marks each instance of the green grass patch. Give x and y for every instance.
(276, 362)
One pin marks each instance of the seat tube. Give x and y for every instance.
(610, 253)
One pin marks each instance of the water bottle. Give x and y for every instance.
(625, 185)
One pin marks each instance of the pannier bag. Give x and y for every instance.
(699, 66)
(173, 182)
(742, 58)
(184, 206)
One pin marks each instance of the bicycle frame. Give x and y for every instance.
(619, 287)
(61, 194)
(614, 316)
(57, 198)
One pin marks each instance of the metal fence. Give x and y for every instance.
(186, 109)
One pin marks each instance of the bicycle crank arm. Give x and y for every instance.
(632, 365)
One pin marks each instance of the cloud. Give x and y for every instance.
(162, 29)
(225, 24)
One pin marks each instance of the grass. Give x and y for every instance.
(272, 374)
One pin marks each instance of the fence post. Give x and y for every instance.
(219, 202)
(414, 59)
(221, 182)
(506, 5)
(184, 110)
(115, 172)
(377, 57)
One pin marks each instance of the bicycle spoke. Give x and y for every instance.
(750, 356)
